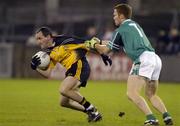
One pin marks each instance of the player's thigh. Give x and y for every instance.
(69, 83)
(80, 70)
(151, 88)
(135, 84)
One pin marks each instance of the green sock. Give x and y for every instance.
(166, 114)
(150, 117)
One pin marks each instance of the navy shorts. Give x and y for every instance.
(80, 70)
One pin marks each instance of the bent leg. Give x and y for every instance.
(68, 89)
(68, 103)
(150, 92)
(134, 86)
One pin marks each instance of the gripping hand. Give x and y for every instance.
(35, 61)
(106, 59)
(91, 43)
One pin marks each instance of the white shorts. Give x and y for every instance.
(149, 66)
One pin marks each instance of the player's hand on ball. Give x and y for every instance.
(91, 43)
(35, 61)
(106, 59)
(40, 60)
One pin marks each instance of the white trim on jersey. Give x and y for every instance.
(112, 45)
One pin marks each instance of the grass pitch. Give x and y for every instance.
(36, 103)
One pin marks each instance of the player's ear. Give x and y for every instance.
(121, 16)
(48, 37)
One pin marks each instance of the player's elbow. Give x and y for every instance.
(45, 73)
(63, 91)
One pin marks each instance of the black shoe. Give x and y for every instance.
(93, 115)
(151, 123)
(168, 121)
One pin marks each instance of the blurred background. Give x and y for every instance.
(86, 18)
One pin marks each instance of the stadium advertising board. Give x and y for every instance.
(118, 71)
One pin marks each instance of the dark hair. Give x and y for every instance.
(124, 9)
(45, 31)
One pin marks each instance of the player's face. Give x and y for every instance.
(116, 17)
(43, 41)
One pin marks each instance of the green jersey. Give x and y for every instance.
(131, 37)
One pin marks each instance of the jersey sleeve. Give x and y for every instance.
(116, 42)
(75, 46)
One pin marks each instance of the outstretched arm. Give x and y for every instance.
(101, 48)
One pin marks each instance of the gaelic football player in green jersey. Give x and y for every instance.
(146, 66)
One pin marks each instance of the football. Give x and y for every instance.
(45, 59)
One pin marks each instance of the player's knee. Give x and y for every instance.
(63, 91)
(130, 96)
(63, 103)
(133, 96)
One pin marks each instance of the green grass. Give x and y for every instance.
(36, 103)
